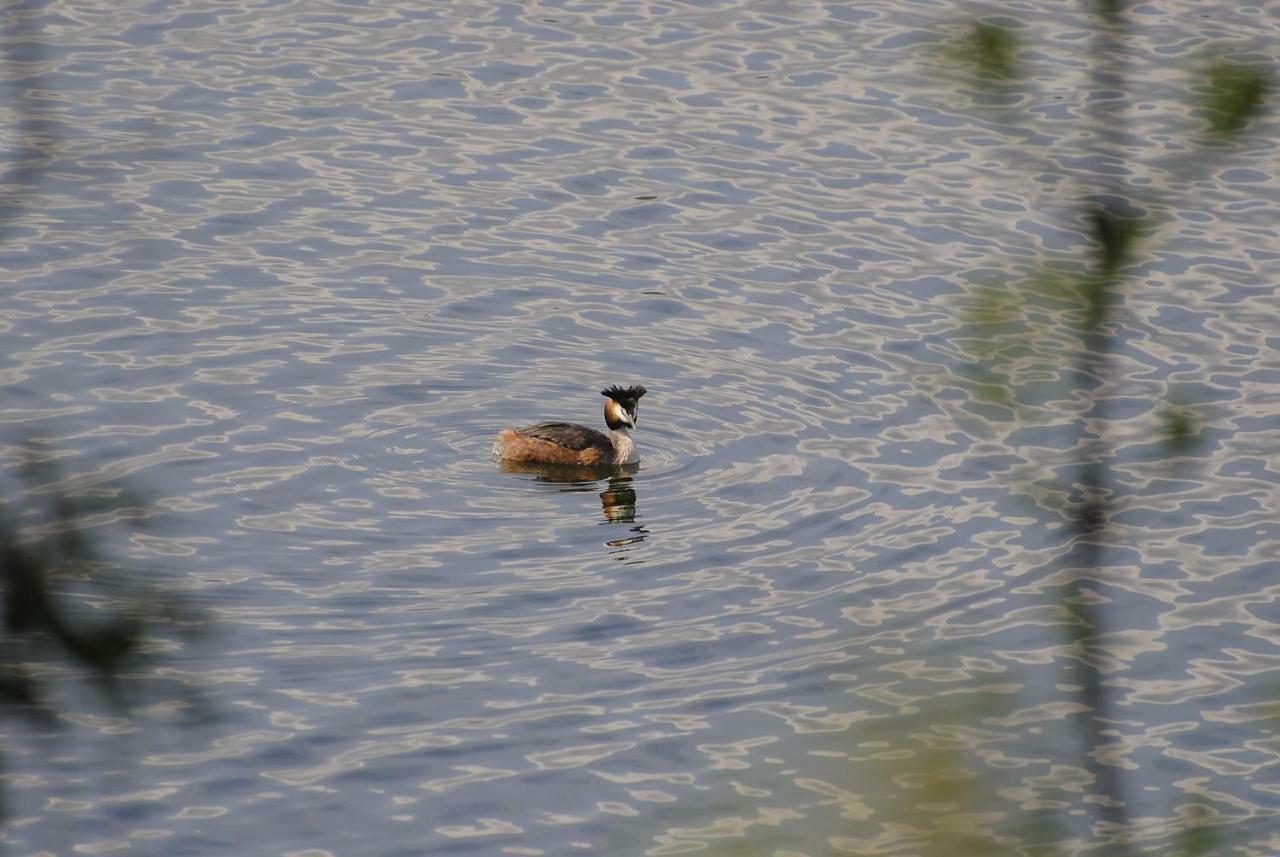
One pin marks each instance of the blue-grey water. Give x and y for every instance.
(286, 267)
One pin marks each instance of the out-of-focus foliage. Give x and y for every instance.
(1198, 836)
(993, 50)
(1180, 427)
(1014, 332)
(1116, 237)
(1109, 9)
(989, 52)
(1236, 94)
(997, 320)
(999, 325)
(59, 599)
(917, 792)
(62, 604)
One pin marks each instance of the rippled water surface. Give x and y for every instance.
(292, 265)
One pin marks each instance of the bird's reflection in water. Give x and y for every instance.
(617, 500)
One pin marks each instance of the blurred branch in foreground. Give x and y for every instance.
(1114, 216)
(1236, 95)
(62, 605)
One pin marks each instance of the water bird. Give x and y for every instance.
(569, 443)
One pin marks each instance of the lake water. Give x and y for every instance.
(292, 265)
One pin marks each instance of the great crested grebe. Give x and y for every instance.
(567, 443)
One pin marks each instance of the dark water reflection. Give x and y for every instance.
(294, 264)
(617, 499)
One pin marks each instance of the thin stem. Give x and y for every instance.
(1113, 234)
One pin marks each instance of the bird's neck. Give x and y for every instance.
(624, 448)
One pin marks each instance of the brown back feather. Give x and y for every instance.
(568, 435)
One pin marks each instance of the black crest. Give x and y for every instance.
(623, 395)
